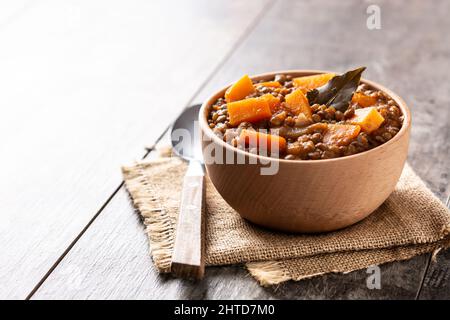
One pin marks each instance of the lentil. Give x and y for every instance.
(305, 135)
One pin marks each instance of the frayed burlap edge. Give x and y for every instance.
(269, 273)
(159, 227)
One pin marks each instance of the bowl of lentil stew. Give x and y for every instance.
(335, 166)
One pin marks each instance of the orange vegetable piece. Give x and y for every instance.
(274, 102)
(296, 103)
(311, 82)
(270, 84)
(251, 110)
(262, 140)
(363, 100)
(238, 91)
(369, 119)
(340, 134)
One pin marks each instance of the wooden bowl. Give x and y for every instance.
(306, 195)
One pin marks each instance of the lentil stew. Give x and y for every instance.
(275, 117)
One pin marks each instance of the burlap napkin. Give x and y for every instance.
(411, 222)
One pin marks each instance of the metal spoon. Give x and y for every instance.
(188, 254)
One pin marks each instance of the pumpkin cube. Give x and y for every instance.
(363, 100)
(262, 140)
(238, 91)
(251, 110)
(269, 84)
(311, 82)
(341, 134)
(297, 103)
(274, 102)
(369, 119)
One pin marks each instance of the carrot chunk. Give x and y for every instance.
(363, 100)
(262, 140)
(274, 102)
(269, 84)
(369, 119)
(340, 134)
(296, 103)
(251, 110)
(311, 82)
(238, 91)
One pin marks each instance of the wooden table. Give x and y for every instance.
(85, 86)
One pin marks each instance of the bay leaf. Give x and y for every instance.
(338, 91)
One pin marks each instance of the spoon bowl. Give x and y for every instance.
(186, 127)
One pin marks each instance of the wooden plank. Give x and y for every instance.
(84, 86)
(294, 35)
(436, 281)
(117, 264)
(105, 275)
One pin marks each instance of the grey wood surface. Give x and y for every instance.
(84, 86)
(409, 54)
(436, 282)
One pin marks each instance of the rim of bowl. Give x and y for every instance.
(401, 103)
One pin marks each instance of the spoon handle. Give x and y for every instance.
(188, 255)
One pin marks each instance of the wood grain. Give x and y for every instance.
(436, 284)
(409, 54)
(85, 85)
(117, 265)
(436, 280)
